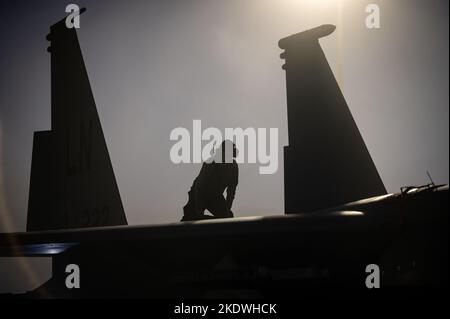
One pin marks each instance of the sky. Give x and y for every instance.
(157, 65)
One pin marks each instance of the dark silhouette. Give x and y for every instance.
(326, 163)
(72, 181)
(302, 255)
(274, 257)
(217, 174)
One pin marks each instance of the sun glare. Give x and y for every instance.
(315, 3)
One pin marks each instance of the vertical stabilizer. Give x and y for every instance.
(327, 162)
(72, 180)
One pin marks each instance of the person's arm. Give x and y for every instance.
(231, 189)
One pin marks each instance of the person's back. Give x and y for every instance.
(218, 174)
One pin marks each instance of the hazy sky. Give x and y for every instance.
(157, 65)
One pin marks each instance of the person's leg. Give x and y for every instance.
(192, 210)
(217, 206)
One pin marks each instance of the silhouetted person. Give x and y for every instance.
(218, 173)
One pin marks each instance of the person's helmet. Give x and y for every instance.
(226, 152)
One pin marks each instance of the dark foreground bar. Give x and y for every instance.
(405, 234)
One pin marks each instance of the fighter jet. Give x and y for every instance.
(338, 217)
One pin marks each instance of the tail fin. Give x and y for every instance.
(327, 162)
(72, 181)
